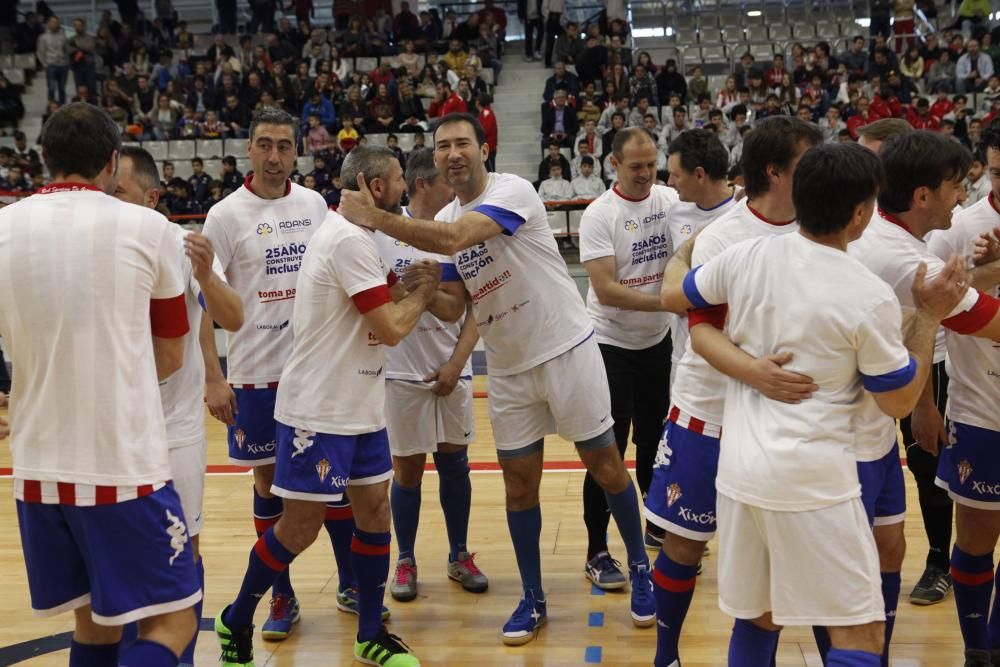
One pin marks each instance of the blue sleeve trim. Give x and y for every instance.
(201, 302)
(890, 381)
(507, 219)
(691, 290)
(449, 273)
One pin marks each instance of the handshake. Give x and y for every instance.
(422, 275)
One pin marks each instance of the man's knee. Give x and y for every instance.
(521, 477)
(891, 543)
(88, 632)
(682, 550)
(173, 630)
(868, 637)
(300, 524)
(408, 471)
(606, 467)
(263, 477)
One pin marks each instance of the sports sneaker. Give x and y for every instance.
(404, 581)
(237, 647)
(977, 658)
(643, 602)
(464, 570)
(283, 615)
(385, 650)
(347, 600)
(524, 623)
(605, 572)
(654, 537)
(933, 587)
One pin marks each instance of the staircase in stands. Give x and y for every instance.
(517, 102)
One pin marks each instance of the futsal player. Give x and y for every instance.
(924, 173)
(428, 400)
(543, 361)
(260, 233)
(331, 415)
(968, 468)
(92, 314)
(181, 393)
(789, 498)
(682, 496)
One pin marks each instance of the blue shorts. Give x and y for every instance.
(681, 497)
(251, 441)
(319, 466)
(883, 492)
(129, 560)
(969, 467)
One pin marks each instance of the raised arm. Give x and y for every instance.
(222, 303)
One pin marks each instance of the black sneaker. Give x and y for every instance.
(933, 587)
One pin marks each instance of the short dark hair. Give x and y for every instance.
(274, 116)
(586, 159)
(143, 165)
(477, 128)
(628, 134)
(916, 160)
(79, 138)
(884, 128)
(991, 139)
(230, 160)
(197, 160)
(774, 141)
(372, 161)
(831, 180)
(420, 164)
(701, 148)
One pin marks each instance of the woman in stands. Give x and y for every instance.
(428, 82)
(727, 96)
(647, 61)
(788, 94)
(338, 66)
(619, 77)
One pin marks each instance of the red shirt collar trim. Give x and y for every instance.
(993, 203)
(247, 183)
(67, 187)
(770, 222)
(626, 198)
(894, 220)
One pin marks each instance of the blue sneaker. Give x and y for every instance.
(524, 623)
(347, 600)
(283, 615)
(643, 602)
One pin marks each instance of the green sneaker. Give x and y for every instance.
(347, 600)
(237, 648)
(386, 651)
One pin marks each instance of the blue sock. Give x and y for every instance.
(405, 503)
(624, 508)
(822, 641)
(266, 512)
(370, 559)
(673, 588)
(751, 646)
(994, 624)
(339, 526)
(525, 532)
(972, 580)
(268, 559)
(93, 655)
(145, 653)
(130, 633)
(455, 492)
(841, 658)
(187, 657)
(890, 594)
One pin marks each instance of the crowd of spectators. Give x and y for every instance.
(948, 82)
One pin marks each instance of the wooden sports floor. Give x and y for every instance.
(447, 626)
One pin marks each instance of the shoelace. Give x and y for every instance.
(239, 647)
(470, 564)
(279, 607)
(403, 573)
(393, 644)
(608, 564)
(930, 579)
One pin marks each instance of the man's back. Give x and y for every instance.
(81, 268)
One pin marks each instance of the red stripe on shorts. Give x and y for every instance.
(265, 555)
(672, 585)
(972, 578)
(365, 549)
(339, 513)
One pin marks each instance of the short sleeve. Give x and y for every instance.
(215, 230)
(934, 266)
(883, 360)
(511, 204)
(709, 284)
(356, 265)
(596, 235)
(169, 273)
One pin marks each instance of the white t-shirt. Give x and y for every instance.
(973, 363)
(183, 393)
(587, 187)
(79, 270)
(432, 341)
(637, 234)
(334, 380)
(555, 189)
(260, 244)
(687, 219)
(892, 253)
(526, 306)
(842, 325)
(699, 390)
